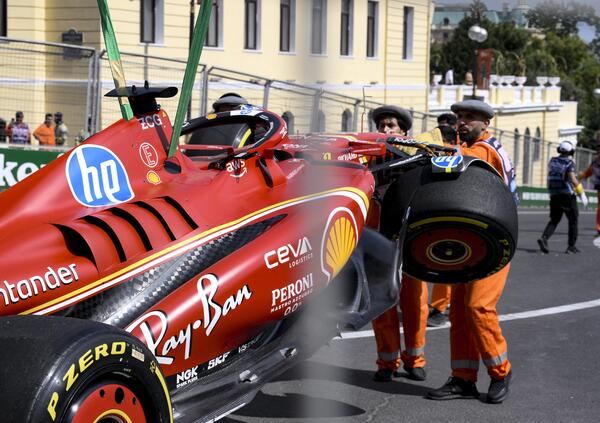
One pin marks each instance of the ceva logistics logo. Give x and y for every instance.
(97, 177)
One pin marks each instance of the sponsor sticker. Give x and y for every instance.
(148, 155)
(447, 163)
(153, 325)
(290, 296)
(13, 292)
(153, 178)
(339, 239)
(293, 254)
(211, 116)
(96, 177)
(236, 168)
(150, 121)
(186, 377)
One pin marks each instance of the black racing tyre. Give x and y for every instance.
(462, 227)
(65, 370)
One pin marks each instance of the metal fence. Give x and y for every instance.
(37, 77)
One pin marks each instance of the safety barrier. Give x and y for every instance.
(35, 76)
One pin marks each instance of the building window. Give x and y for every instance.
(288, 117)
(346, 28)
(151, 21)
(445, 35)
(372, 126)
(252, 20)
(319, 27)
(526, 156)
(407, 48)
(347, 121)
(321, 124)
(517, 148)
(537, 141)
(214, 36)
(446, 21)
(287, 25)
(372, 24)
(3, 31)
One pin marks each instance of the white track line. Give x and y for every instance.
(503, 318)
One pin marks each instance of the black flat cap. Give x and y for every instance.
(404, 117)
(477, 106)
(232, 99)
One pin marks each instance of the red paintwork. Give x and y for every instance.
(228, 303)
(101, 404)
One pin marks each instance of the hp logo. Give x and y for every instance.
(97, 177)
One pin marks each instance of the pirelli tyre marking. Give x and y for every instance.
(83, 370)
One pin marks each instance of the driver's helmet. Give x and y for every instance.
(229, 101)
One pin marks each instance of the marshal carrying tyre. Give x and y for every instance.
(77, 371)
(461, 227)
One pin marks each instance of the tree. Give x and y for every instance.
(478, 9)
(561, 18)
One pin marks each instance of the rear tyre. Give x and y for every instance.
(462, 227)
(78, 371)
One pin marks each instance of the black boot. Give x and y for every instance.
(543, 243)
(455, 388)
(385, 375)
(498, 390)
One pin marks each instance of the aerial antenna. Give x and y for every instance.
(114, 58)
(200, 29)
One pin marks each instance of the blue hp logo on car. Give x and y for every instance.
(97, 177)
(447, 162)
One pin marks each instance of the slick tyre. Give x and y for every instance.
(77, 371)
(461, 227)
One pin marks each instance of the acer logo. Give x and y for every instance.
(293, 254)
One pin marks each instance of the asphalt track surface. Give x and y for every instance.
(551, 320)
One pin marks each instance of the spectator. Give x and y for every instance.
(228, 102)
(563, 186)
(18, 131)
(2, 130)
(394, 120)
(475, 331)
(45, 132)
(593, 170)
(448, 119)
(61, 132)
(449, 78)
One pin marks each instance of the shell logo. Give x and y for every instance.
(339, 240)
(153, 178)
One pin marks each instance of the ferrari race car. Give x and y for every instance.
(179, 286)
(144, 280)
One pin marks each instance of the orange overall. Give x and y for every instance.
(475, 330)
(413, 303)
(440, 296)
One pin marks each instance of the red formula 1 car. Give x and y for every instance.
(179, 286)
(179, 282)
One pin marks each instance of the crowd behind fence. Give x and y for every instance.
(39, 78)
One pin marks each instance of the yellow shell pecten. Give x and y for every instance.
(341, 241)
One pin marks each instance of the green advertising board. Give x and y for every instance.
(16, 164)
(539, 197)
